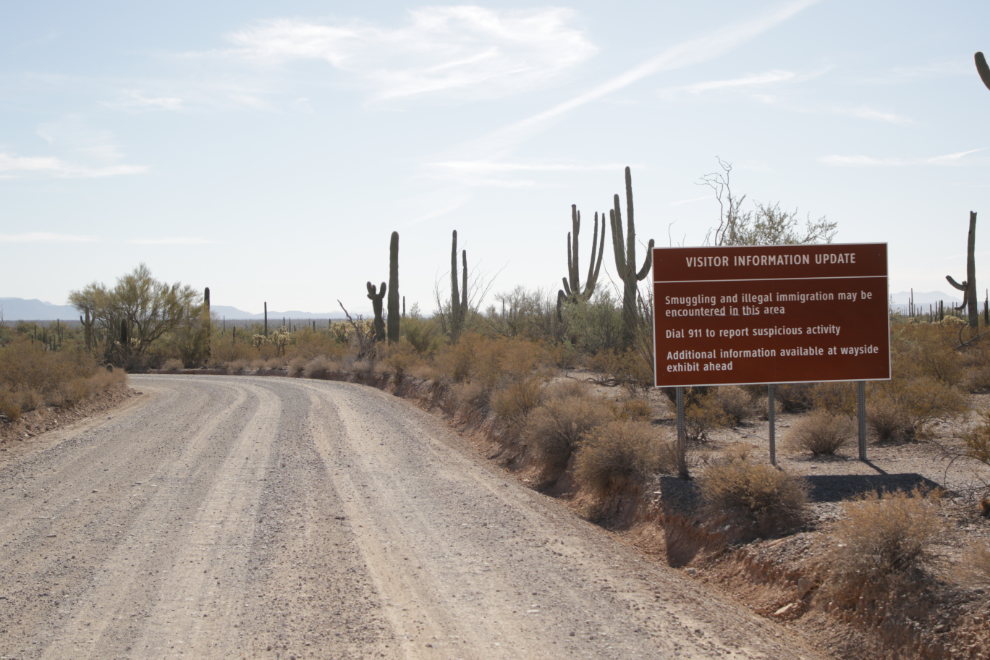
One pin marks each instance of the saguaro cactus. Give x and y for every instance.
(982, 68)
(207, 319)
(266, 318)
(393, 289)
(625, 261)
(458, 301)
(123, 334)
(572, 283)
(376, 303)
(969, 286)
(87, 324)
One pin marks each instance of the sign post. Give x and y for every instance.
(771, 314)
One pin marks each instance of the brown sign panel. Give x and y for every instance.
(770, 314)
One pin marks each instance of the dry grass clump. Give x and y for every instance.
(794, 397)
(928, 349)
(237, 367)
(974, 569)
(704, 415)
(978, 439)
(901, 408)
(9, 406)
(822, 433)
(319, 367)
(554, 429)
(618, 456)
(757, 498)
(880, 539)
(297, 366)
(835, 397)
(737, 404)
(512, 404)
(400, 358)
(172, 366)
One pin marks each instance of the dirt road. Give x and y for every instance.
(227, 517)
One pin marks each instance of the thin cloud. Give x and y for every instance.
(11, 164)
(134, 100)
(869, 161)
(693, 51)
(442, 49)
(480, 166)
(45, 237)
(866, 112)
(743, 83)
(178, 240)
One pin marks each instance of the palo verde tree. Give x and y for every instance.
(139, 309)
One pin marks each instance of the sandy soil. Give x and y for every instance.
(241, 517)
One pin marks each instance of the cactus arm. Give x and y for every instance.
(596, 265)
(615, 219)
(983, 69)
(961, 287)
(630, 223)
(647, 264)
(573, 270)
(567, 288)
(464, 287)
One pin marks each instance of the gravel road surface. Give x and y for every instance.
(228, 517)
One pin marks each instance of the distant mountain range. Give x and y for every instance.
(19, 309)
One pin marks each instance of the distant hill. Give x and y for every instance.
(19, 309)
(925, 297)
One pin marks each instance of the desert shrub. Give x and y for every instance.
(974, 569)
(634, 408)
(901, 408)
(703, 415)
(835, 397)
(554, 429)
(296, 366)
(9, 407)
(565, 389)
(422, 335)
(618, 456)
(512, 403)
(794, 397)
(319, 367)
(629, 369)
(29, 399)
(224, 350)
(307, 344)
(595, 326)
(736, 403)
(977, 439)
(757, 498)
(237, 367)
(399, 358)
(880, 537)
(821, 432)
(928, 349)
(471, 398)
(172, 365)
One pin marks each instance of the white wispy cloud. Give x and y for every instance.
(473, 50)
(45, 237)
(870, 161)
(866, 112)
(480, 166)
(746, 82)
(11, 165)
(136, 100)
(693, 51)
(177, 240)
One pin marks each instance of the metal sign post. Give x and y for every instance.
(771, 415)
(861, 401)
(681, 436)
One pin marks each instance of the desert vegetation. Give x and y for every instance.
(559, 389)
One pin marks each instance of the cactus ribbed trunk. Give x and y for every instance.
(376, 304)
(266, 319)
(969, 286)
(393, 289)
(123, 334)
(206, 312)
(87, 331)
(458, 295)
(625, 262)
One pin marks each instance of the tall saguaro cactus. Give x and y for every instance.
(572, 283)
(87, 329)
(393, 289)
(969, 286)
(207, 319)
(458, 302)
(625, 261)
(376, 304)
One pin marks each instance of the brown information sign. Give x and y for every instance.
(771, 314)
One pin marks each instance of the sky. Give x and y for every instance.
(268, 150)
